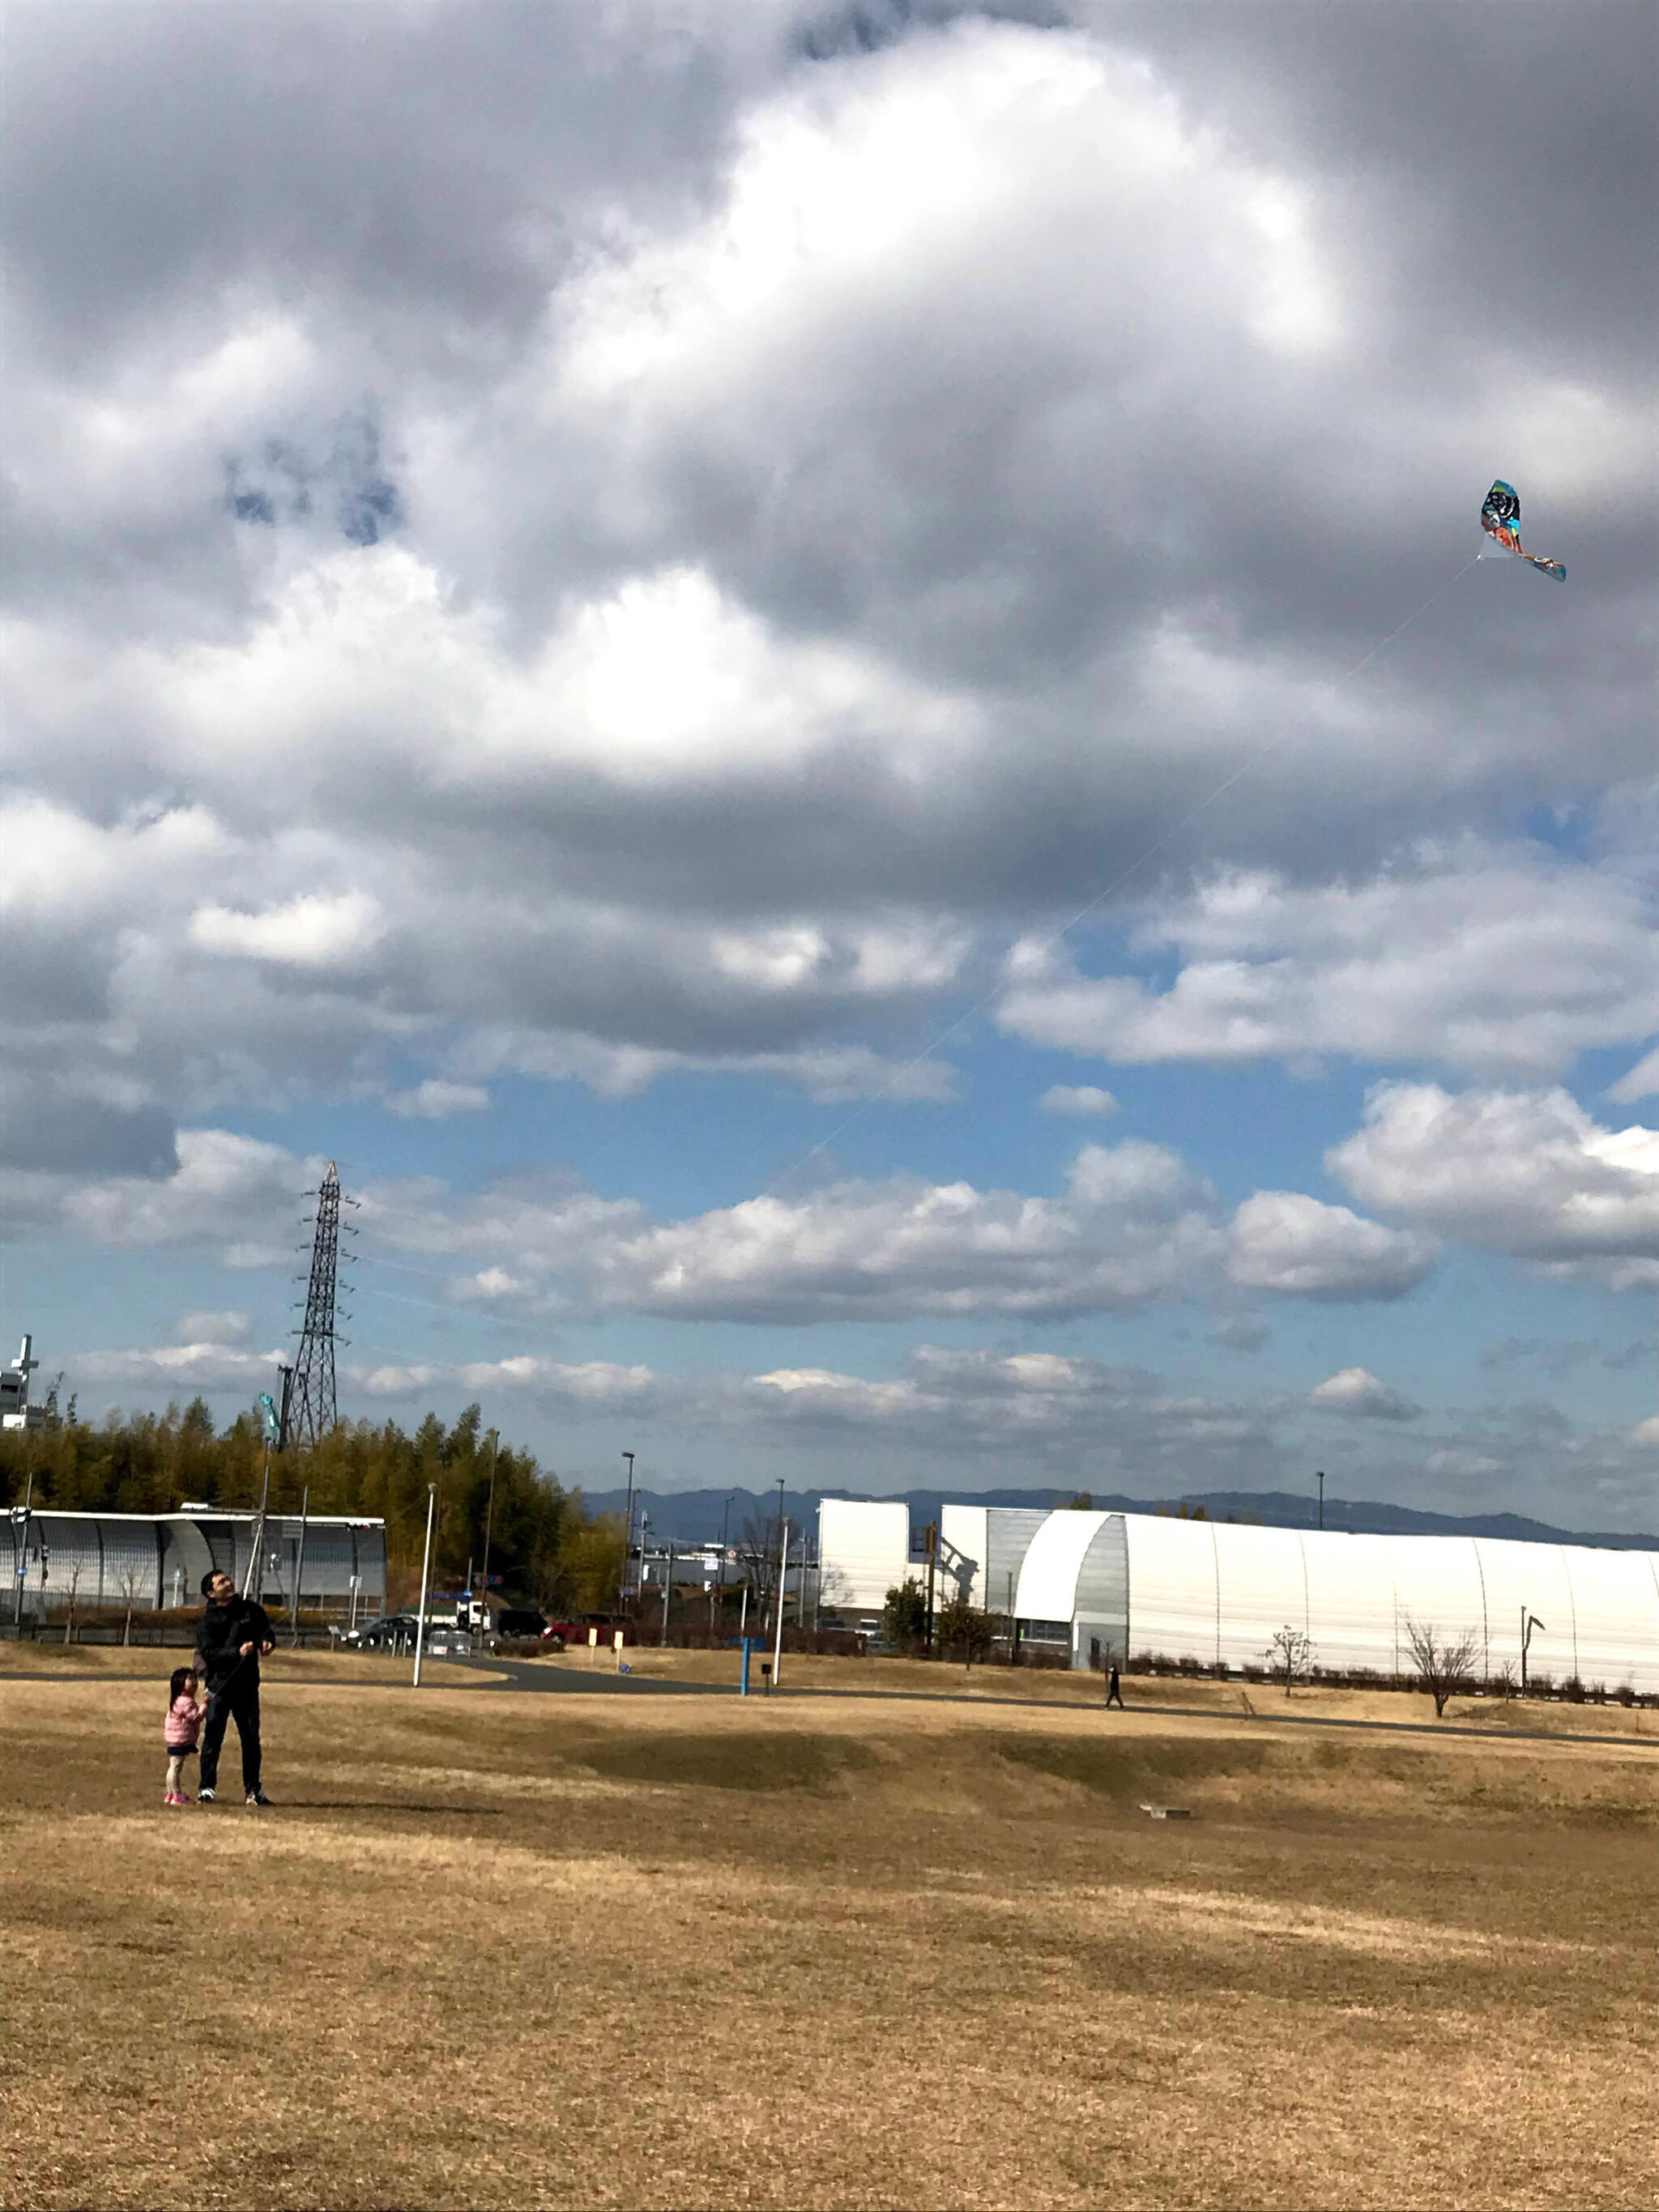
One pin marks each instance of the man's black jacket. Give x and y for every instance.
(220, 1636)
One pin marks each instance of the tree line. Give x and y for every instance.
(543, 1542)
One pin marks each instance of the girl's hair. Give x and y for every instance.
(180, 1676)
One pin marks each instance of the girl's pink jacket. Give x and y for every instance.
(184, 1722)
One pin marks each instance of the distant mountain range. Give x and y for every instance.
(694, 1516)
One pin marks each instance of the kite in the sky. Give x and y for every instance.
(1500, 518)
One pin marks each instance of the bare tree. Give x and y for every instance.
(756, 1551)
(71, 1592)
(129, 1589)
(1290, 1656)
(1444, 1664)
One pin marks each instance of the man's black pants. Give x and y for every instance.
(239, 1700)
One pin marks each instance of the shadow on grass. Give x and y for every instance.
(776, 1762)
(461, 1809)
(1124, 1769)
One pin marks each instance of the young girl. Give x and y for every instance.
(183, 1725)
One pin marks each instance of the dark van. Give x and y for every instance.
(519, 1620)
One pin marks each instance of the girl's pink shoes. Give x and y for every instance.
(177, 1797)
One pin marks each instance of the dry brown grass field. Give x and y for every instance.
(509, 1948)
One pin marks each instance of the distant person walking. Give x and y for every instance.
(230, 1638)
(1115, 1688)
(183, 1725)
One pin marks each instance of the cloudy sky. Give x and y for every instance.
(808, 680)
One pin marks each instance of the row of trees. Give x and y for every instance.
(543, 1543)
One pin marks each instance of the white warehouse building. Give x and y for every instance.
(1118, 1586)
(51, 1561)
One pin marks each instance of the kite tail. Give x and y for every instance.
(1556, 568)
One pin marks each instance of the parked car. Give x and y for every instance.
(377, 1635)
(520, 1620)
(574, 1631)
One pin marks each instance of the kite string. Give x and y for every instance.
(1047, 945)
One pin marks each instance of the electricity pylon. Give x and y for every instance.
(315, 1405)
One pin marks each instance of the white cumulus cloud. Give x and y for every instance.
(1485, 960)
(1081, 1100)
(1524, 1172)
(1358, 1392)
(316, 931)
(1283, 1240)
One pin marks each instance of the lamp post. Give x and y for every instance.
(780, 1546)
(490, 1516)
(426, 1565)
(1529, 1621)
(628, 1537)
(299, 1564)
(1320, 1480)
(20, 1523)
(783, 1576)
(259, 1534)
(717, 1596)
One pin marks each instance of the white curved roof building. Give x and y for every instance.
(1120, 1585)
(51, 1560)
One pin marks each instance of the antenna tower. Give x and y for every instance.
(314, 1406)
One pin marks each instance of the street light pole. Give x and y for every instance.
(628, 1537)
(780, 1546)
(426, 1568)
(1320, 1480)
(259, 1534)
(299, 1565)
(1529, 1620)
(19, 1522)
(717, 1596)
(783, 1576)
(490, 1516)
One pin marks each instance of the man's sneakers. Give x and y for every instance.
(256, 1797)
(204, 1797)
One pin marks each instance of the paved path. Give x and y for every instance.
(517, 1674)
(532, 1677)
(528, 1675)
